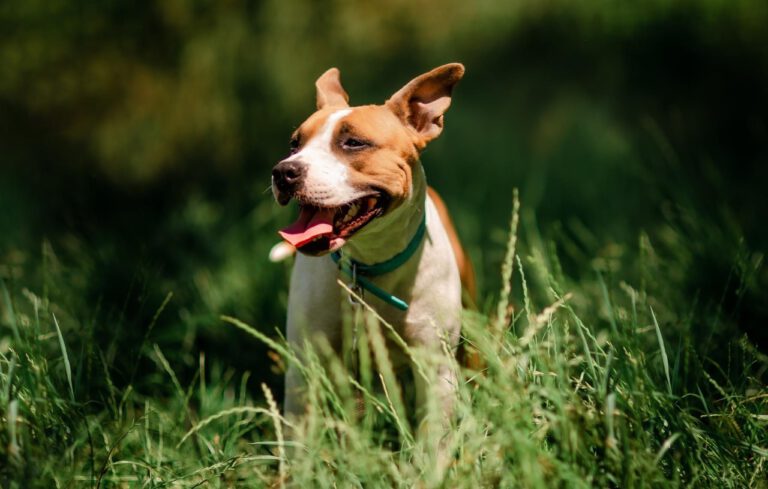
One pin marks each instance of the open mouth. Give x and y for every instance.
(322, 229)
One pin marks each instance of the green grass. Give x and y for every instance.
(612, 378)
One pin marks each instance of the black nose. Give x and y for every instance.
(288, 175)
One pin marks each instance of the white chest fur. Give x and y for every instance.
(428, 282)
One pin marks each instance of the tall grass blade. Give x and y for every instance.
(526, 296)
(9, 380)
(276, 419)
(149, 330)
(281, 349)
(13, 418)
(167, 367)
(393, 335)
(9, 312)
(67, 366)
(388, 378)
(665, 447)
(610, 412)
(507, 267)
(664, 359)
(221, 414)
(608, 304)
(581, 328)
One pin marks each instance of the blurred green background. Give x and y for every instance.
(136, 145)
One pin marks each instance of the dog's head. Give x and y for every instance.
(350, 165)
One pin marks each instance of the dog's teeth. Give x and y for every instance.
(353, 210)
(371, 202)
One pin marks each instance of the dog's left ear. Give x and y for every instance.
(330, 93)
(423, 101)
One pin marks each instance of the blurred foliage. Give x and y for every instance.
(137, 143)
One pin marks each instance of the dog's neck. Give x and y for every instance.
(387, 236)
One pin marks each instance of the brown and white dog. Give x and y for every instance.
(360, 186)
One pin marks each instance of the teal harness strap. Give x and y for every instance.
(382, 294)
(357, 271)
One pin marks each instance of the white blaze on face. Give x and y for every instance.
(326, 181)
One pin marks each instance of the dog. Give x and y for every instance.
(367, 216)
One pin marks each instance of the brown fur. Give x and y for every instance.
(388, 162)
(311, 126)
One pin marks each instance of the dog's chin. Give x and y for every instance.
(320, 230)
(322, 246)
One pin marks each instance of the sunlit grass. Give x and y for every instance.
(593, 383)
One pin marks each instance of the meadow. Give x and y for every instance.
(605, 166)
(601, 382)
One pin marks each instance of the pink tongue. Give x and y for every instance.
(311, 224)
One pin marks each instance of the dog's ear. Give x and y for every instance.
(330, 93)
(423, 101)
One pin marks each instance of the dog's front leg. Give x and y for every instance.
(313, 315)
(437, 391)
(432, 326)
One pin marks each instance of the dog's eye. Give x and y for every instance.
(354, 143)
(294, 145)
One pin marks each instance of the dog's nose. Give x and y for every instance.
(287, 175)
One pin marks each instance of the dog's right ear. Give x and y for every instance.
(423, 101)
(330, 93)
